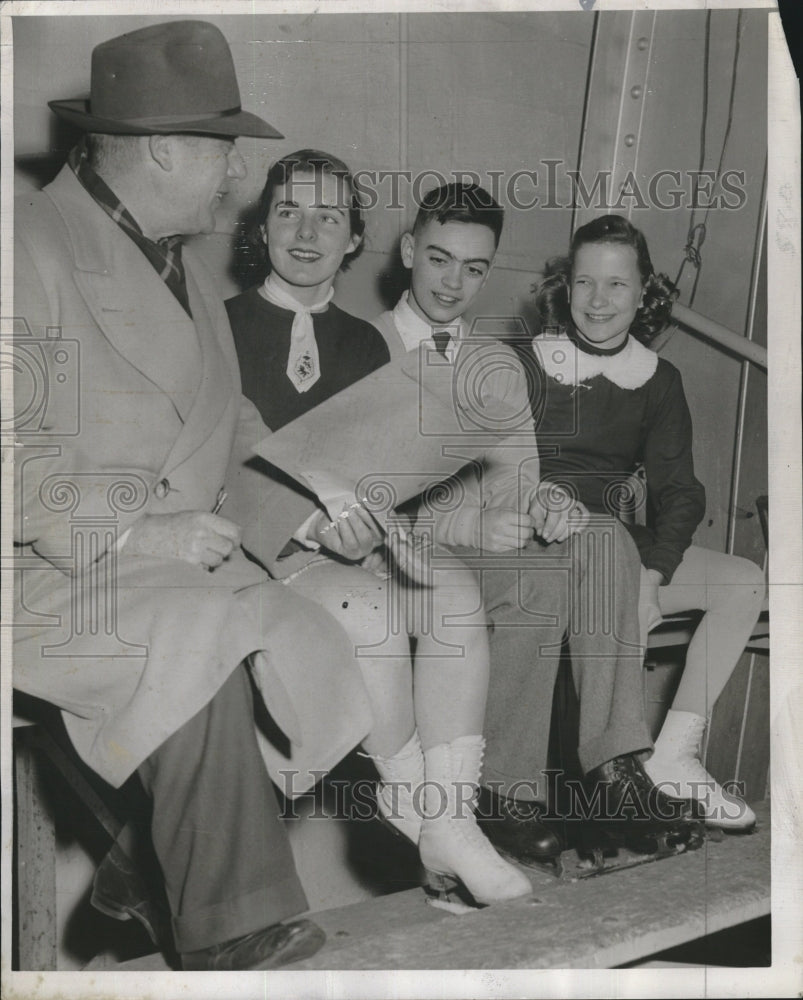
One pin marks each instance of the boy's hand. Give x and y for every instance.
(555, 515)
(352, 535)
(504, 528)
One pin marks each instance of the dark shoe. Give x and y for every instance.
(629, 794)
(269, 948)
(515, 829)
(119, 892)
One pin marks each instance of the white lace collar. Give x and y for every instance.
(564, 361)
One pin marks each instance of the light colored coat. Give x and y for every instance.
(148, 419)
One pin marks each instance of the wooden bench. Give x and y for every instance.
(601, 922)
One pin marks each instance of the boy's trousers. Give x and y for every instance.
(586, 589)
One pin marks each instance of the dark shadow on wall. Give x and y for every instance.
(41, 168)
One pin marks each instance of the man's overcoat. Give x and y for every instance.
(125, 406)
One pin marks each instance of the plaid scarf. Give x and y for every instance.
(164, 256)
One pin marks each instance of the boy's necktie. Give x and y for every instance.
(441, 339)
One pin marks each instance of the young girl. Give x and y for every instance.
(608, 405)
(296, 349)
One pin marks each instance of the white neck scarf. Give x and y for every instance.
(414, 330)
(303, 367)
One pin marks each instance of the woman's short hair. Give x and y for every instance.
(552, 292)
(306, 161)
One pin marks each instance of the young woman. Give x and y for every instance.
(608, 405)
(296, 348)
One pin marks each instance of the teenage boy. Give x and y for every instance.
(553, 571)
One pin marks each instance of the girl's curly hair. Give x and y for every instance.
(552, 292)
(305, 161)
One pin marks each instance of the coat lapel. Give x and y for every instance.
(138, 313)
(130, 303)
(216, 387)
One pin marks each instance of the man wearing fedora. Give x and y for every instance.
(137, 613)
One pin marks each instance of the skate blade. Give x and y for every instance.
(446, 893)
(611, 857)
(575, 869)
(454, 907)
(550, 866)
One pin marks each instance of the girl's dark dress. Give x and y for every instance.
(348, 350)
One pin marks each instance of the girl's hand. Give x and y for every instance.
(352, 535)
(504, 528)
(649, 609)
(555, 515)
(376, 562)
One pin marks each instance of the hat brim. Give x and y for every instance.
(233, 124)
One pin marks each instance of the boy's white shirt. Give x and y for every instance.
(510, 470)
(415, 331)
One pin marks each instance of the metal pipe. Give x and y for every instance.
(744, 381)
(720, 334)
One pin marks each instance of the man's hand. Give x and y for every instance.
(352, 535)
(194, 536)
(504, 528)
(554, 514)
(649, 609)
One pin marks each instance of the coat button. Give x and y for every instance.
(162, 488)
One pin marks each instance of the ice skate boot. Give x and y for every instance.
(515, 828)
(675, 767)
(463, 869)
(628, 821)
(398, 794)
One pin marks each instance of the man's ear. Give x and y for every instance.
(161, 150)
(407, 249)
(353, 243)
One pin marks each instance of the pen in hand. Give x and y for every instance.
(221, 499)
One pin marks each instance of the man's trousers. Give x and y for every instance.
(224, 853)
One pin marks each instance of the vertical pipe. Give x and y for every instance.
(404, 106)
(738, 765)
(745, 373)
(592, 55)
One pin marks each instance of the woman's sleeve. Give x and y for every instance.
(676, 496)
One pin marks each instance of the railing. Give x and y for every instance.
(712, 330)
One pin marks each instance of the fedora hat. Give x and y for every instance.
(166, 78)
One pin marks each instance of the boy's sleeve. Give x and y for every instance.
(491, 391)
